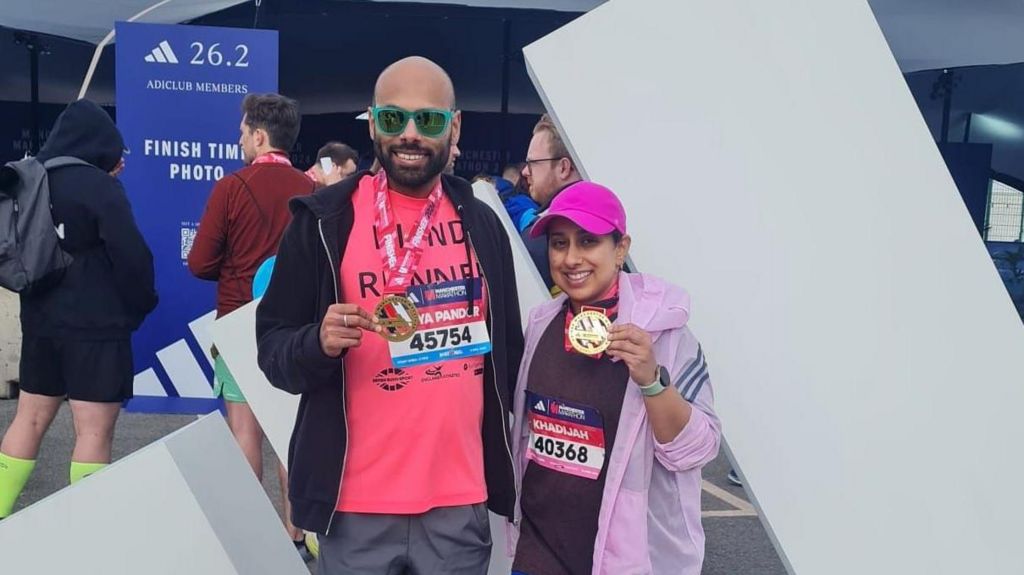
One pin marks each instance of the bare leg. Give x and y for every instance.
(248, 434)
(34, 416)
(94, 430)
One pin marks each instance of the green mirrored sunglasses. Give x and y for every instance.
(430, 122)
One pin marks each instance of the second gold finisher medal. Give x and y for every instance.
(588, 332)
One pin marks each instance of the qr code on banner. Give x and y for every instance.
(188, 235)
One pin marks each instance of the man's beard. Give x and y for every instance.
(412, 178)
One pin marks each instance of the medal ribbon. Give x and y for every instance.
(272, 158)
(401, 266)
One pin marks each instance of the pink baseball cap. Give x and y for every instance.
(590, 206)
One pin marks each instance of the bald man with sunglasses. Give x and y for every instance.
(393, 312)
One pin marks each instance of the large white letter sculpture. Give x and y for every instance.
(866, 357)
(187, 503)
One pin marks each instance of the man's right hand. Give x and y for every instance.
(343, 327)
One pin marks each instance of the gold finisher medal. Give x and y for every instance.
(588, 332)
(398, 317)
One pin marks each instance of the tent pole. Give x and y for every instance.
(103, 44)
(506, 72)
(32, 43)
(947, 102)
(33, 58)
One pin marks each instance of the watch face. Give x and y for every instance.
(665, 378)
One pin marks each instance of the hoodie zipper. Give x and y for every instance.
(494, 370)
(344, 415)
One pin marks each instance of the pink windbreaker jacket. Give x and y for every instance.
(649, 521)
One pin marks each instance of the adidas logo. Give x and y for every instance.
(540, 406)
(162, 54)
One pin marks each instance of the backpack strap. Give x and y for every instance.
(61, 161)
(9, 178)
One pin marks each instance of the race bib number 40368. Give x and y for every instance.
(565, 437)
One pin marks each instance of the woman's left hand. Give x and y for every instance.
(634, 346)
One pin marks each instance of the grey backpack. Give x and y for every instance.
(30, 252)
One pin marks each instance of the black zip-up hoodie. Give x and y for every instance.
(305, 283)
(108, 289)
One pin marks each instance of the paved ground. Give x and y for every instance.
(736, 542)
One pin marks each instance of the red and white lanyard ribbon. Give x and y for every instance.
(400, 267)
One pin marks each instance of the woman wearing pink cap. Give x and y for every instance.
(614, 412)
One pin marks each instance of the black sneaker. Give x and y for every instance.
(733, 478)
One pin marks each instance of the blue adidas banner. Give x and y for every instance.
(179, 95)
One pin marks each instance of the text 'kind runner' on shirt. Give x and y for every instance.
(415, 408)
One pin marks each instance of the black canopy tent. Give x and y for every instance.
(330, 54)
(331, 50)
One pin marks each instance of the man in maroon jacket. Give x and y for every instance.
(245, 218)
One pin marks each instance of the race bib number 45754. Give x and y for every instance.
(432, 345)
(452, 324)
(565, 437)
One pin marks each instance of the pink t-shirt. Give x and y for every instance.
(414, 433)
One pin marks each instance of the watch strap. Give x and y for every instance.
(658, 386)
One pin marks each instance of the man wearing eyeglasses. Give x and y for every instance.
(393, 311)
(548, 170)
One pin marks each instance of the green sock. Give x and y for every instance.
(14, 474)
(80, 471)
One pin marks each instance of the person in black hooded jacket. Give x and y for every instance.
(396, 455)
(77, 333)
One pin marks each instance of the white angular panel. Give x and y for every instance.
(532, 292)
(235, 337)
(147, 383)
(864, 352)
(529, 285)
(188, 503)
(183, 369)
